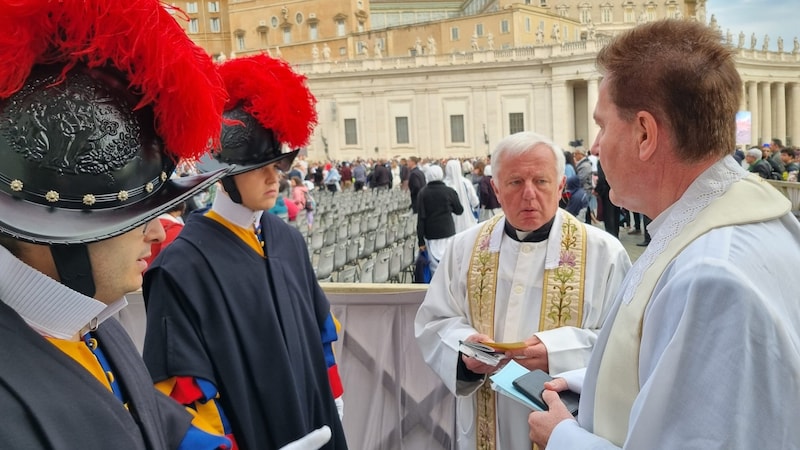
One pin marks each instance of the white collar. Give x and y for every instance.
(234, 212)
(553, 240)
(47, 306)
(707, 187)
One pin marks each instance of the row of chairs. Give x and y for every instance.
(393, 263)
(358, 235)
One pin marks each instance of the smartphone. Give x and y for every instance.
(531, 385)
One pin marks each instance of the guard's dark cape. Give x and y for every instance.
(49, 401)
(217, 310)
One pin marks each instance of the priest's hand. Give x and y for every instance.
(542, 423)
(533, 356)
(476, 366)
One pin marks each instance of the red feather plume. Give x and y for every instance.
(139, 38)
(269, 90)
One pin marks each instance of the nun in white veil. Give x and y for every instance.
(466, 194)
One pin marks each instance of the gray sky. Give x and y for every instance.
(773, 17)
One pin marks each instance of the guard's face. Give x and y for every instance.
(259, 187)
(529, 187)
(118, 262)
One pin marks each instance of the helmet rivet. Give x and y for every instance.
(122, 196)
(163, 176)
(148, 187)
(51, 196)
(16, 185)
(89, 200)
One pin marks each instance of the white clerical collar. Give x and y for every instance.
(709, 186)
(47, 306)
(234, 212)
(553, 241)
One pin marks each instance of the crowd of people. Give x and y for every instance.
(696, 345)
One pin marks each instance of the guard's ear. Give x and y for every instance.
(647, 137)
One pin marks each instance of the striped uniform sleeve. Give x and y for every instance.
(330, 333)
(210, 427)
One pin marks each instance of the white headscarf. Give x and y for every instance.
(434, 173)
(466, 195)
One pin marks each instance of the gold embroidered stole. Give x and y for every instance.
(562, 302)
(749, 200)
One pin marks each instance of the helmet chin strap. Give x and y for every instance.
(74, 267)
(230, 188)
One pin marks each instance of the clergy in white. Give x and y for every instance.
(702, 347)
(528, 242)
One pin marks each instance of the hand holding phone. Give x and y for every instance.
(531, 385)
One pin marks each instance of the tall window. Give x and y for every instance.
(287, 35)
(586, 15)
(504, 28)
(671, 11)
(194, 26)
(350, 132)
(213, 7)
(454, 33)
(340, 31)
(607, 14)
(630, 14)
(401, 124)
(516, 122)
(240, 42)
(457, 128)
(214, 25)
(528, 24)
(479, 29)
(313, 32)
(191, 7)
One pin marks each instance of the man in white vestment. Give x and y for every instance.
(534, 274)
(702, 348)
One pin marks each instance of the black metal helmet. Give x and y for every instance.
(269, 108)
(78, 163)
(99, 100)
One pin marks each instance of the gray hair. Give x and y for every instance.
(522, 142)
(755, 152)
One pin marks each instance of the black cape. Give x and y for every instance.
(217, 310)
(49, 401)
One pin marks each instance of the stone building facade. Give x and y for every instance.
(420, 78)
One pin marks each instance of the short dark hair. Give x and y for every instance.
(680, 72)
(789, 151)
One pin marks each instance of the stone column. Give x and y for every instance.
(743, 101)
(780, 111)
(765, 131)
(752, 106)
(562, 107)
(592, 88)
(794, 111)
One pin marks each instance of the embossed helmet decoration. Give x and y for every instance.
(98, 102)
(269, 108)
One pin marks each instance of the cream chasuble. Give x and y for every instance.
(516, 270)
(747, 201)
(562, 301)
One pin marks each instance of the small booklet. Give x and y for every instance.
(490, 353)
